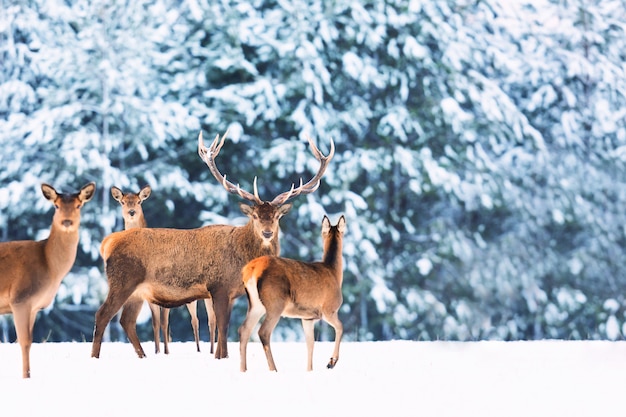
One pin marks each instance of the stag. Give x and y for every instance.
(171, 267)
(31, 271)
(133, 216)
(285, 287)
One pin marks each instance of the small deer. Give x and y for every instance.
(172, 267)
(285, 287)
(31, 271)
(133, 216)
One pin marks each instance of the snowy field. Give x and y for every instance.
(547, 378)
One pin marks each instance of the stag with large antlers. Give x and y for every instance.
(171, 267)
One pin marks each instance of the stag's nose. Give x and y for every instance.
(268, 234)
(67, 223)
(131, 212)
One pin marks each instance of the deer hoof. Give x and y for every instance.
(332, 363)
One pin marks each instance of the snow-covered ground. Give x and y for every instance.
(398, 378)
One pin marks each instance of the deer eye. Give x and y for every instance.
(79, 206)
(56, 206)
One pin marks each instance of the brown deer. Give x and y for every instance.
(171, 267)
(133, 216)
(306, 290)
(31, 271)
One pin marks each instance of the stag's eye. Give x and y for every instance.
(56, 206)
(79, 206)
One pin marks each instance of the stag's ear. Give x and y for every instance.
(284, 209)
(49, 192)
(116, 193)
(246, 209)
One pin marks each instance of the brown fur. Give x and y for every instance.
(31, 272)
(306, 290)
(171, 267)
(133, 216)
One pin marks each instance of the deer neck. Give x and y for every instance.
(256, 245)
(333, 257)
(131, 224)
(60, 250)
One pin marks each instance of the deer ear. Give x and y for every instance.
(245, 209)
(341, 224)
(145, 192)
(116, 193)
(325, 225)
(284, 209)
(49, 192)
(87, 192)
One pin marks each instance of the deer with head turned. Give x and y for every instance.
(285, 287)
(132, 213)
(171, 267)
(31, 271)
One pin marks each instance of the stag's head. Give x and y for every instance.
(67, 205)
(264, 215)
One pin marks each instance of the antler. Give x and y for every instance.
(314, 182)
(208, 156)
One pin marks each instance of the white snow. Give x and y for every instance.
(397, 378)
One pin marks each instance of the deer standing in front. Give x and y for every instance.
(171, 267)
(306, 290)
(132, 213)
(31, 271)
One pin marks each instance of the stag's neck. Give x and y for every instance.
(60, 250)
(255, 246)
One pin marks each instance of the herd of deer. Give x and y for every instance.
(174, 267)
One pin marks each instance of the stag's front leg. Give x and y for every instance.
(223, 306)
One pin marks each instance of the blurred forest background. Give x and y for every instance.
(480, 161)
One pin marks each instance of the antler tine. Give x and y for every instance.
(314, 183)
(208, 156)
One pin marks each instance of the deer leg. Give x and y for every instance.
(24, 332)
(265, 334)
(165, 329)
(208, 303)
(223, 306)
(156, 323)
(309, 335)
(333, 320)
(193, 314)
(255, 311)
(129, 323)
(105, 313)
